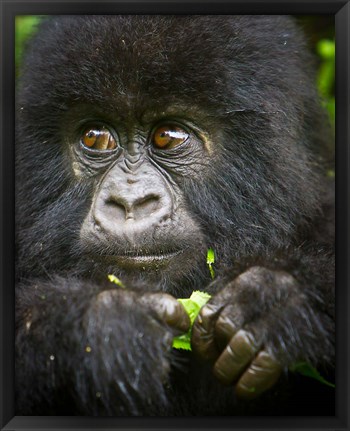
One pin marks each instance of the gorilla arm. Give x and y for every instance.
(108, 351)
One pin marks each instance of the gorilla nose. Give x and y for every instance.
(134, 208)
(131, 212)
(132, 204)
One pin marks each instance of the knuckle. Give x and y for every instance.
(262, 374)
(245, 341)
(168, 309)
(203, 344)
(207, 316)
(229, 322)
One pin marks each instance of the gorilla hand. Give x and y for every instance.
(130, 334)
(245, 329)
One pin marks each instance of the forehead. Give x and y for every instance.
(128, 55)
(134, 62)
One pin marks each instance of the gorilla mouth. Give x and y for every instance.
(149, 257)
(132, 259)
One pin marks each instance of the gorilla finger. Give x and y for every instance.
(168, 309)
(238, 354)
(227, 325)
(203, 332)
(262, 374)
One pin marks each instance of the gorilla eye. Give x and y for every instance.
(98, 138)
(169, 136)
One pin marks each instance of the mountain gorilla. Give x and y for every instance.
(143, 141)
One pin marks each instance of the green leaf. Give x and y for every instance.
(210, 256)
(194, 303)
(182, 342)
(113, 279)
(309, 371)
(210, 261)
(192, 306)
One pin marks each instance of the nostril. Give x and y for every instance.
(116, 208)
(145, 206)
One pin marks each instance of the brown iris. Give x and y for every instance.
(169, 136)
(98, 138)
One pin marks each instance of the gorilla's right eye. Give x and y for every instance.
(98, 138)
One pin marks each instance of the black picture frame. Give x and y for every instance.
(8, 10)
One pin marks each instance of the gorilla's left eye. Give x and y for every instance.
(98, 138)
(169, 136)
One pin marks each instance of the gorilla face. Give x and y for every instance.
(138, 219)
(139, 167)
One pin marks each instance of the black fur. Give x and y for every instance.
(263, 200)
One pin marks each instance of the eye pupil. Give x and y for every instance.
(98, 138)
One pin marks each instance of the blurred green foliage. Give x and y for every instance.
(24, 28)
(326, 75)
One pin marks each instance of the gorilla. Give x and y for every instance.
(142, 142)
